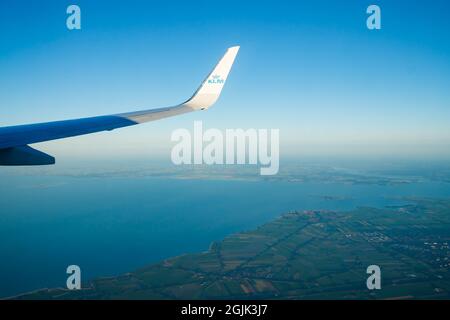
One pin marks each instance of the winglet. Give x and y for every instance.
(203, 98)
(210, 89)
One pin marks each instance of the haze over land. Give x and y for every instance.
(133, 216)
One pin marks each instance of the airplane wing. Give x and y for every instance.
(14, 141)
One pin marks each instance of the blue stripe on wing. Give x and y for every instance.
(33, 133)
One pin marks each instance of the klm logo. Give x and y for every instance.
(216, 79)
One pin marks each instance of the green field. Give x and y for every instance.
(302, 255)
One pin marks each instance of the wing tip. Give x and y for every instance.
(209, 91)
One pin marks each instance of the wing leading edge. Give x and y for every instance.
(14, 140)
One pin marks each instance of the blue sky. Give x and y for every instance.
(310, 68)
